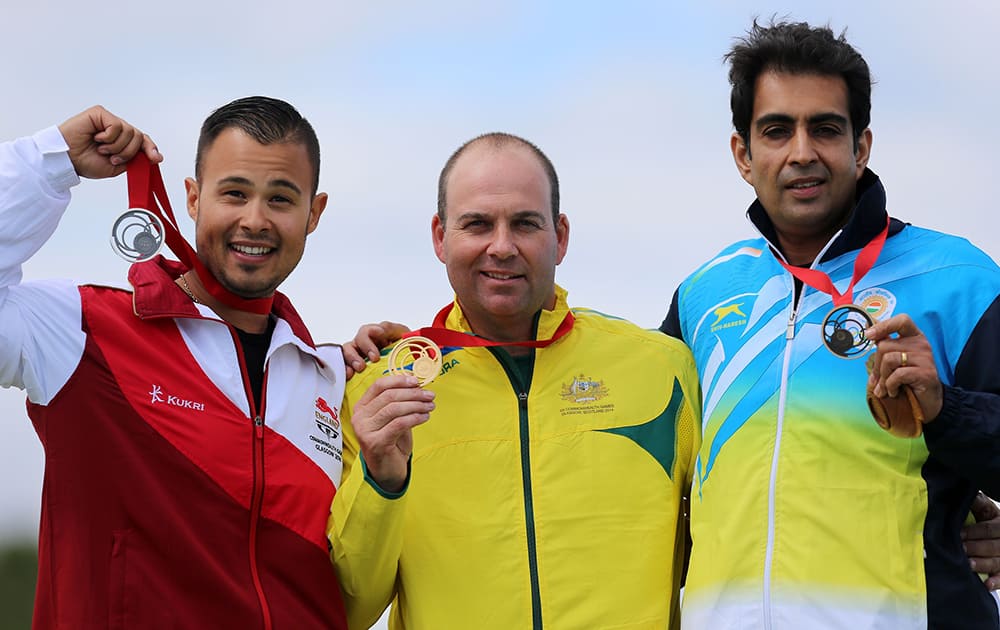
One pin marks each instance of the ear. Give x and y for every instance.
(316, 209)
(741, 155)
(562, 237)
(863, 153)
(191, 190)
(437, 235)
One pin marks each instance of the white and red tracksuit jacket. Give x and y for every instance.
(169, 500)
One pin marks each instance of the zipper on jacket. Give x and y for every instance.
(257, 495)
(255, 508)
(772, 482)
(529, 511)
(790, 331)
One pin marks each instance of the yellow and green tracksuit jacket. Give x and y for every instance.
(553, 503)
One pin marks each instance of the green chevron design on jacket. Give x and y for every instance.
(658, 437)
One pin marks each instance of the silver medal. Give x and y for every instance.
(137, 235)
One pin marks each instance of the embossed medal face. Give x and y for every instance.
(844, 331)
(418, 355)
(137, 235)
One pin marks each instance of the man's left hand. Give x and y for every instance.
(906, 359)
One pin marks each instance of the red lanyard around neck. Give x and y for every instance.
(439, 334)
(862, 265)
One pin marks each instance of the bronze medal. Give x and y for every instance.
(844, 331)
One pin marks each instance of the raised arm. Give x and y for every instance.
(100, 144)
(42, 340)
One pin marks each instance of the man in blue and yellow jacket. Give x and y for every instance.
(805, 514)
(547, 484)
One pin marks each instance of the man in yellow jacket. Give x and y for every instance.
(547, 484)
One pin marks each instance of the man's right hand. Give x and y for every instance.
(101, 144)
(383, 421)
(982, 540)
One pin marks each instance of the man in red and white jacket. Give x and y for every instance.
(192, 445)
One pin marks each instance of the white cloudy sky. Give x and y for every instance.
(629, 99)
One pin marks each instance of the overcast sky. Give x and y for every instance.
(629, 100)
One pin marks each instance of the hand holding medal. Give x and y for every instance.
(904, 390)
(100, 144)
(900, 415)
(384, 417)
(903, 384)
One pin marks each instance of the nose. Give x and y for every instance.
(502, 244)
(255, 217)
(801, 149)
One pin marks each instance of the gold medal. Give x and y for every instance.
(417, 355)
(844, 331)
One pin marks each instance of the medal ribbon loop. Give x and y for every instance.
(145, 189)
(439, 334)
(862, 265)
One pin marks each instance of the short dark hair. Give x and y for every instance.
(796, 48)
(499, 140)
(266, 120)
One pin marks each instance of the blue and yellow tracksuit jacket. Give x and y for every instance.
(805, 514)
(548, 502)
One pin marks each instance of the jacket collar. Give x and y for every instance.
(155, 294)
(866, 221)
(547, 321)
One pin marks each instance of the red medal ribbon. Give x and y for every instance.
(145, 189)
(862, 265)
(439, 334)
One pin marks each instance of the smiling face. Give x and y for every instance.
(498, 241)
(802, 160)
(252, 207)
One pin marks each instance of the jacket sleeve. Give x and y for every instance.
(672, 322)
(41, 340)
(365, 532)
(35, 177)
(966, 434)
(688, 445)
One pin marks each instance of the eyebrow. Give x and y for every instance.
(539, 215)
(815, 119)
(521, 214)
(276, 183)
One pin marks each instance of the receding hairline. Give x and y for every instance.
(495, 142)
